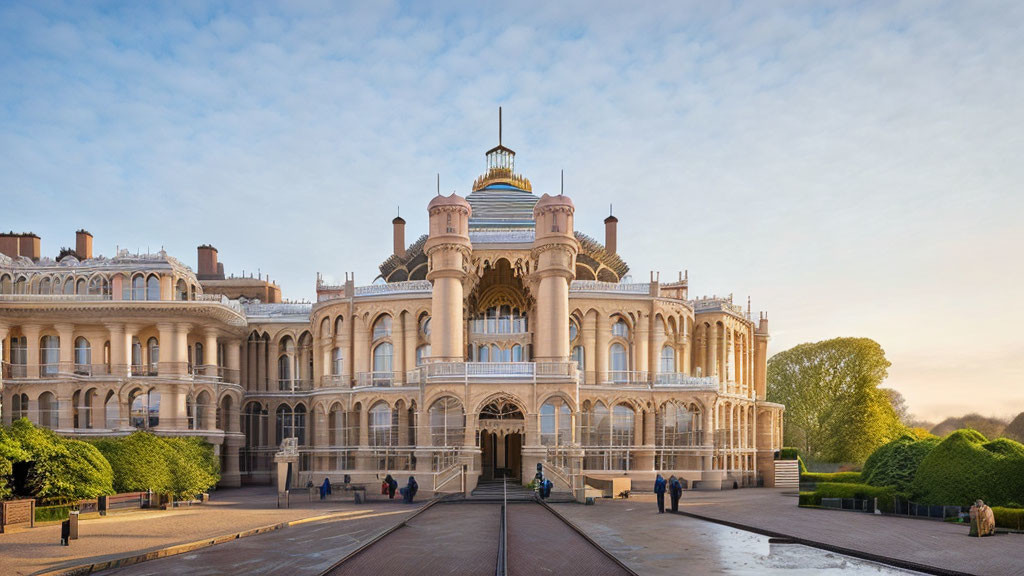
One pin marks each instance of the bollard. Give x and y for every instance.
(73, 525)
(65, 532)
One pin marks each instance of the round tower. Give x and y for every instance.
(554, 251)
(448, 254)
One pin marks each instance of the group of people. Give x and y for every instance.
(389, 486)
(675, 490)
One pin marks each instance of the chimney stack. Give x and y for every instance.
(83, 244)
(28, 244)
(10, 244)
(611, 233)
(208, 267)
(399, 224)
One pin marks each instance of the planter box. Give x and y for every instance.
(17, 513)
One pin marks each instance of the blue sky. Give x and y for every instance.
(856, 170)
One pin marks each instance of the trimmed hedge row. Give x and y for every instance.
(1012, 518)
(884, 494)
(833, 477)
(896, 463)
(182, 466)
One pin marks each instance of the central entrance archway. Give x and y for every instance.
(502, 426)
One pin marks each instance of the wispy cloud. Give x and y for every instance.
(855, 168)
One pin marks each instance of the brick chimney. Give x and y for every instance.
(10, 244)
(83, 244)
(611, 224)
(28, 244)
(208, 267)
(399, 225)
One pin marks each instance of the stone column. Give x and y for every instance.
(232, 362)
(209, 354)
(447, 251)
(66, 338)
(411, 338)
(361, 346)
(589, 329)
(273, 352)
(712, 364)
(604, 335)
(554, 250)
(230, 476)
(261, 365)
(119, 349)
(403, 427)
(643, 344)
(31, 333)
(398, 365)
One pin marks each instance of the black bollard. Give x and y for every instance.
(65, 532)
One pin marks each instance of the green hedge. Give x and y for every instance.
(1011, 518)
(52, 513)
(789, 454)
(860, 491)
(896, 463)
(62, 469)
(834, 477)
(965, 466)
(182, 466)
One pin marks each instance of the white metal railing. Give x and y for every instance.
(377, 379)
(335, 381)
(394, 288)
(499, 325)
(560, 465)
(53, 297)
(680, 380)
(494, 370)
(618, 287)
(723, 304)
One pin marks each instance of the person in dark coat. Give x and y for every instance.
(659, 490)
(392, 486)
(675, 490)
(409, 492)
(325, 489)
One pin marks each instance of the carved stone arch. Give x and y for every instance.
(436, 395)
(501, 397)
(325, 327)
(557, 394)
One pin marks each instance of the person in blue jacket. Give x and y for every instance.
(325, 488)
(659, 490)
(409, 492)
(675, 490)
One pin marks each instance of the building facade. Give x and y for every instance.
(501, 339)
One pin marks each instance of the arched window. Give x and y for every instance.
(138, 287)
(284, 372)
(44, 286)
(573, 331)
(675, 425)
(383, 425)
(21, 286)
(382, 355)
(517, 353)
(447, 422)
(623, 425)
(153, 288)
(153, 352)
(180, 290)
(422, 353)
(555, 423)
(291, 423)
(337, 362)
(382, 327)
(83, 356)
(81, 287)
(618, 363)
(668, 360)
(48, 412)
(137, 360)
(6, 284)
(620, 329)
(49, 355)
(578, 356)
(69, 286)
(483, 354)
(145, 408)
(425, 327)
(99, 285)
(19, 406)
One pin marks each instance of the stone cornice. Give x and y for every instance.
(125, 310)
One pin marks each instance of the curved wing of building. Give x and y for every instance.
(501, 340)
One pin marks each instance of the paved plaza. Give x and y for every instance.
(647, 542)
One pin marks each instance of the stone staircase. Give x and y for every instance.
(494, 490)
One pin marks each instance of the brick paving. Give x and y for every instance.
(122, 534)
(540, 543)
(446, 539)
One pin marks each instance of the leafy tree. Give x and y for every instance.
(62, 470)
(139, 461)
(10, 452)
(194, 466)
(899, 405)
(835, 411)
(989, 427)
(1015, 429)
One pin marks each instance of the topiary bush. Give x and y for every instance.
(1011, 518)
(896, 463)
(194, 467)
(139, 461)
(965, 466)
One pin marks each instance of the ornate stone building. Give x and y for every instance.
(501, 339)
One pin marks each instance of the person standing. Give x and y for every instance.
(675, 489)
(659, 491)
(325, 489)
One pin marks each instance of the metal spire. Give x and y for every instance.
(499, 125)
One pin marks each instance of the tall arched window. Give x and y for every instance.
(618, 363)
(422, 353)
(383, 425)
(44, 286)
(153, 288)
(139, 287)
(517, 353)
(668, 360)
(620, 329)
(382, 356)
(153, 352)
(291, 423)
(83, 356)
(180, 290)
(447, 422)
(81, 287)
(578, 356)
(675, 426)
(483, 354)
(145, 408)
(555, 423)
(48, 412)
(69, 286)
(623, 425)
(382, 327)
(6, 284)
(49, 355)
(286, 364)
(337, 362)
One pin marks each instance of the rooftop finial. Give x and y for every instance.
(562, 191)
(499, 125)
(399, 211)
(610, 210)
(438, 183)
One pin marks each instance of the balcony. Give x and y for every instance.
(642, 379)
(179, 370)
(293, 384)
(502, 371)
(498, 325)
(335, 381)
(375, 380)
